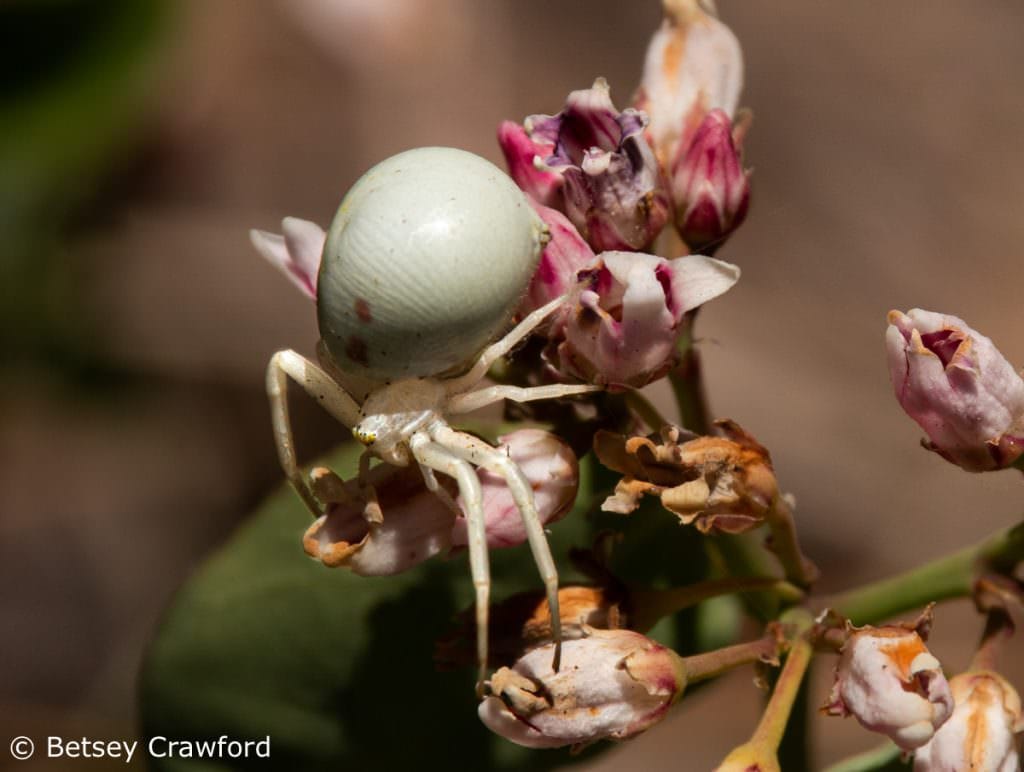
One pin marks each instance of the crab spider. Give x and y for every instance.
(424, 264)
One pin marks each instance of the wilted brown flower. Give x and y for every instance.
(720, 484)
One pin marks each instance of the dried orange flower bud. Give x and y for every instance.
(891, 683)
(612, 684)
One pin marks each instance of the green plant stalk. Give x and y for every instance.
(645, 410)
(868, 761)
(786, 546)
(947, 577)
(649, 606)
(700, 667)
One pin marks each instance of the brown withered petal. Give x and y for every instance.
(722, 484)
(522, 621)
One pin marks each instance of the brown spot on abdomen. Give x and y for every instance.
(355, 349)
(363, 311)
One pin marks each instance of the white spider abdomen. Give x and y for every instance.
(425, 261)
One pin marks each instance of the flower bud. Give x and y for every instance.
(958, 387)
(553, 471)
(629, 312)
(980, 735)
(563, 256)
(709, 186)
(612, 188)
(693, 66)
(720, 484)
(296, 253)
(891, 683)
(611, 684)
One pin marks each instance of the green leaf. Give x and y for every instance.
(337, 669)
(885, 758)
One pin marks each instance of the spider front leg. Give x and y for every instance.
(321, 387)
(478, 452)
(433, 456)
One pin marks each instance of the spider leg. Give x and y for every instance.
(465, 403)
(319, 385)
(498, 349)
(480, 453)
(438, 458)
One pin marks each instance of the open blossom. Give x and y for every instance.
(957, 385)
(710, 187)
(693, 66)
(296, 252)
(612, 684)
(721, 484)
(392, 522)
(628, 313)
(980, 736)
(889, 681)
(612, 188)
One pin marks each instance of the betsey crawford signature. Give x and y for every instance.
(158, 747)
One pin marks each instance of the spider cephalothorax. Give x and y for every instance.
(427, 259)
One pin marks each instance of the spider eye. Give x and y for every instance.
(365, 437)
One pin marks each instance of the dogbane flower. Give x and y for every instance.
(612, 188)
(612, 684)
(391, 522)
(693, 66)
(959, 388)
(296, 251)
(980, 736)
(628, 313)
(888, 680)
(565, 253)
(710, 187)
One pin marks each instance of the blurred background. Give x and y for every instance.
(140, 141)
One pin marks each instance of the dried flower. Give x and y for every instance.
(629, 311)
(980, 735)
(612, 684)
(385, 526)
(553, 471)
(693, 66)
(958, 387)
(612, 188)
(523, 621)
(391, 521)
(296, 253)
(891, 683)
(722, 484)
(710, 188)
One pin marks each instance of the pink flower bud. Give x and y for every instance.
(980, 735)
(628, 314)
(709, 186)
(524, 155)
(612, 188)
(612, 684)
(889, 681)
(693, 65)
(550, 466)
(564, 255)
(954, 382)
(297, 253)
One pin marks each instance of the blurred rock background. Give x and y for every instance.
(140, 141)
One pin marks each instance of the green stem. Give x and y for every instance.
(649, 606)
(743, 555)
(947, 577)
(868, 761)
(646, 411)
(688, 387)
(701, 667)
(786, 546)
(773, 722)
